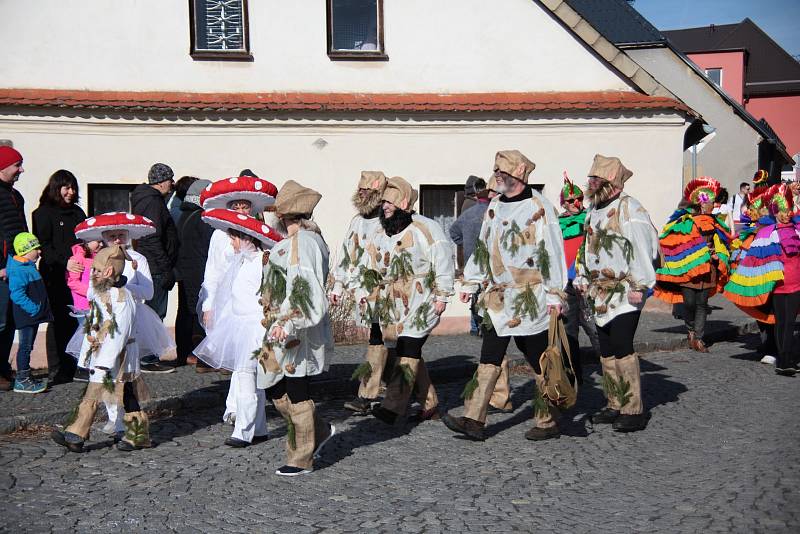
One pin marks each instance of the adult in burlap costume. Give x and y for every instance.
(360, 235)
(113, 358)
(299, 335)
(408, 272)
(519, 263)
(615, 271)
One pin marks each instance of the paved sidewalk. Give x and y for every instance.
(449, 358)
(719, 455)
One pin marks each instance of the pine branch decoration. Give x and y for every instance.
(345, 263)
(362, 372)
(420, 321)
(370, 279)
(407, 374)
(619, 389)
(540, 406)
(273, 284)
(605, 240)
(525, 304)
(300, 298)
(430, 279)
(108, 383)
(401, 266)
(290, 433)
(543, 260)
(136, 431)
(482, 257)
(470, 387)
(511, 238)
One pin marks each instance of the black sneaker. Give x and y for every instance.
(157, 368)
(236, 443)
(630, 422)
(62, 439)
(606, 416)
(359, 405)
(81, 375)
(289, 471)
(786, 371)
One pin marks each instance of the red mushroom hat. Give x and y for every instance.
(225, 219)
(260, 193)
(92, 228)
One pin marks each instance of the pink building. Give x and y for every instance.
(753, 69)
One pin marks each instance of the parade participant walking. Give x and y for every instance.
(299, 336)
(110, 351)
(361, 233)
(119, 229)
(615, 271)
(519, 263)
(239, 313)
(695, 244)
(408, 274)
(768, 277)
(30, 307)
(577, 312)
(12, 222)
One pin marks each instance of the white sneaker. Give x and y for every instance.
(768, 359)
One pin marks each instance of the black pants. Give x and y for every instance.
(188, 331)
(7, 329)
(160, 296)
(616, 336)
(785, 306)
(494, 347)
(61, 330)
(375, 334)
(410, 347)
(130, 402)
(767, 334)
(695, 309)
(297, 388)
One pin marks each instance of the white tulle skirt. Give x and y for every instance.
(150, 333)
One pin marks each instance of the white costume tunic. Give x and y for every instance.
(220, 251)
(417, 269)
(237, 330)
(617, 257)
(519, 262)
(302, 260)
(360, 234)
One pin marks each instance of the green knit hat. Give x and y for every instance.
(25, 242)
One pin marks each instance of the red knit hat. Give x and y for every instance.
(8, 156)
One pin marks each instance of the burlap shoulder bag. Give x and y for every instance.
(559, 384)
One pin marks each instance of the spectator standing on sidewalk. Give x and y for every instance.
(54, 223)
(30, 307)
(12, 222)
(176, 200)
(161, 248)
(194, 236)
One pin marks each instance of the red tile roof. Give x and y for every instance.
(339, 102)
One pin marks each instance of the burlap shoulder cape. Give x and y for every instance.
(687, 254)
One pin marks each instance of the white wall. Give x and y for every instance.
(429, 152)
(452, 46)
(732, 155)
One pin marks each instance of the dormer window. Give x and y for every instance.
(355, 30)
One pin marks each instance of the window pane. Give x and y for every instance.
(219, 25)
(104, 198)
(355, 24)
(715, 75)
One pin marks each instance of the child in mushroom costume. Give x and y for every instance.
(615, 271)
(767, 279)
(519, 262)
(359, 236)
(407, 272)
(695, 245)
(298, 334)
(238, 313)
(111, 354)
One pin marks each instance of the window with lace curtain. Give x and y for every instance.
(355, 29)
(219, 29)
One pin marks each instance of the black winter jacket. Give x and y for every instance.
(12, 219)
(161, 248)
(55, 228)
(195, 239)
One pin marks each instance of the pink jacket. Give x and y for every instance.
(79, 283)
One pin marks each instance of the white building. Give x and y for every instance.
(424, 90)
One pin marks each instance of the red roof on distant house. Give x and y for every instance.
(339, 102)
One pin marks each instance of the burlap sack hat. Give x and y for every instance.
(514, 163)
(294, 199)
(372, 180)
(114, 256)
(400, 193)
(610, 169)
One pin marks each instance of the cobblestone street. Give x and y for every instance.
(720, 454)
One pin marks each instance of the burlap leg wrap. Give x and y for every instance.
(137, 429)
(628, 369)
(476, 406)
(398, 390)
(426, 393)
(86, 410)
(544, 420)
(610, 370)
(302, 417)
(501, 396)
(376, 357)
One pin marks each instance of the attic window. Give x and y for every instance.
(355, 30)
(715, 75)
(219, 29)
